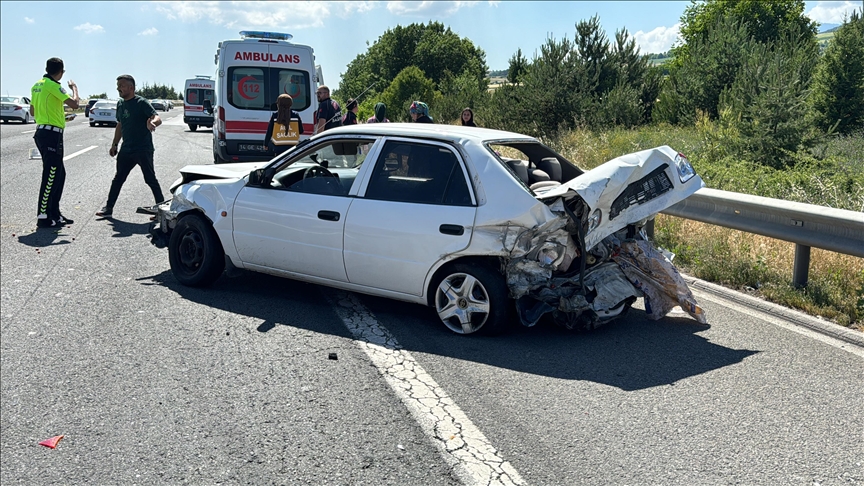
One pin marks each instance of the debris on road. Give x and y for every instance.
(52, 442)
(332, 356)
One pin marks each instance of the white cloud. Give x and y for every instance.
(150, 31)
(658, 40)
(89, 28)
(430, 9)
(251, 15)
(832, 12)
(29, 20)
(347, 9)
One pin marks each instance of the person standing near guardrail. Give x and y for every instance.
(136, 122)
(47, 100)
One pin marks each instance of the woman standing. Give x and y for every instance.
(380, 114)
(283, 115)
(420, 112)
(468, 118)
(351, 115)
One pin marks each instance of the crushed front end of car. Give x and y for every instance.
(590, 262)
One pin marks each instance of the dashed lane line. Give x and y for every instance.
(76, 154)
(473, 458)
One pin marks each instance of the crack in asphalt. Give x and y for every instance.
(474, 460)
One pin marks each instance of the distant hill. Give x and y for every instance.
(828, 28)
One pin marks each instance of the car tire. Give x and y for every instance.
(26, 119)
(461, 287)
(193, 127)
(92, 124)
(195, 252)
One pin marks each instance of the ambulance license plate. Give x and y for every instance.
(251, 148)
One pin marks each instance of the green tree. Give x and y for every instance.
(409, 85)
(458, 93)
(767, 103)
(838, 84)
(436, 50)
(518, 63)
(98, 96)
(714, 60)
(765, 21)
(156, 91)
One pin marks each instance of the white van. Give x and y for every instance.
(197, 90)
(250, 74)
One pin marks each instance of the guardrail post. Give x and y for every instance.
(802, 266)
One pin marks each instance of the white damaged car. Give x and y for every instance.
(466, 220)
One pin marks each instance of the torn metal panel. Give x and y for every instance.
(652, 273)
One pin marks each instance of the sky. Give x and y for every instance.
(167, 42)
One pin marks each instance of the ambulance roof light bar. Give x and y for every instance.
(202, 76)
(257, 34)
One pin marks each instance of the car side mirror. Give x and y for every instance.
(256, 178)
(208, 106)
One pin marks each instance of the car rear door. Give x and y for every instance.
(417, 207)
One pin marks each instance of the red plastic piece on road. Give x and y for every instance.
(52, 442)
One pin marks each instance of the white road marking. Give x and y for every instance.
(472, 457)
(780, 322)
(28, 131)
(76, 154)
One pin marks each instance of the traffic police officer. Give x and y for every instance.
(47, 98)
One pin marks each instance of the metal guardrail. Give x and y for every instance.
(806, 225)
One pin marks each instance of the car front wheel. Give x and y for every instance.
(470, 297)
(195, 252)
(193, 127)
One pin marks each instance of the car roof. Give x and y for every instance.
(452, 133)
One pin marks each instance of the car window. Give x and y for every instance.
(105, 104)
(418, 173)
(328, 168)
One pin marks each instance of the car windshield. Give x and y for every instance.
(10, 99)
(105, 105)
(337, 154)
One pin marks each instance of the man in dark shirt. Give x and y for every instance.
(329, 113)
(136, 121)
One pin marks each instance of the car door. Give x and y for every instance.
(295, 223)
(417, 208)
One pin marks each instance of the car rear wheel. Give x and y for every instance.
(195, 252)
(470, 298)
(193, 127)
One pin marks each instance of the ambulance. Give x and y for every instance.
(250, 74)
(195, 92)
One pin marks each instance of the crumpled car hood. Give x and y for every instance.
(601, 186)
(224, 171)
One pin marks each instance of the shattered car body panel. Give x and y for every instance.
(572, 249)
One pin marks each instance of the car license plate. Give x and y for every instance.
(251, 148)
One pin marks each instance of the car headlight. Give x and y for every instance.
(594, 220)
(685, 170)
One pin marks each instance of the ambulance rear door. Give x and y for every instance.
(256, 72)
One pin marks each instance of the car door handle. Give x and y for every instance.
(328, 215)
(452, 229)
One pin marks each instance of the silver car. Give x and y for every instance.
(15, 108)
(485, 226)
(104, 112)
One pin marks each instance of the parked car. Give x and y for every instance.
(15, 108)
(433, 214)
(158, 105)
(90, 103)
(104, 112)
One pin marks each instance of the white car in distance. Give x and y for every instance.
(466, 220)
(15, 108)
(104, 112)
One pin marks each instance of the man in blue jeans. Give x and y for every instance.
(136, 121)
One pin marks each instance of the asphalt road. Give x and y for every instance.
(151, 382)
